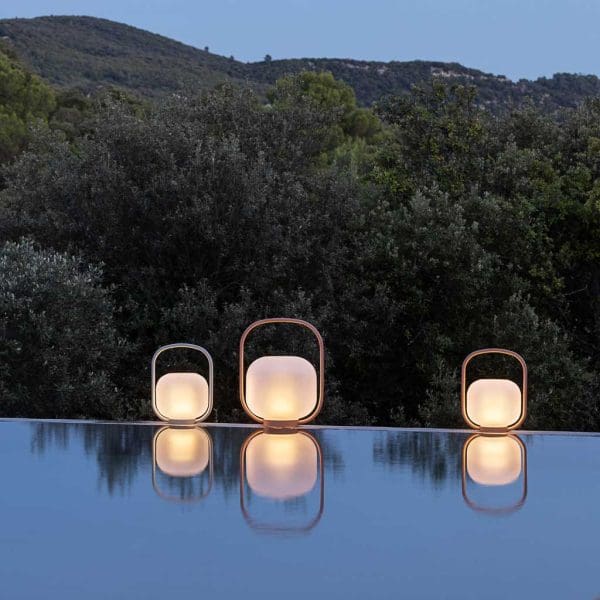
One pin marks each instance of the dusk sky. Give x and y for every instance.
(516, 38)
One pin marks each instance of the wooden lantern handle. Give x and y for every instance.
(313, 414)
(463, 385)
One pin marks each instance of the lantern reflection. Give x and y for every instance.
(183, 455)
(497, 466)
(281, 468)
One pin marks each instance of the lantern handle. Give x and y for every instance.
(183, 345)
(463, 385)
(313, 414)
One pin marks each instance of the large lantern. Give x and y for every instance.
(281, 467)
(282, 391)
(182, 397)
(497, 466)
(494, 405)
(183, 454)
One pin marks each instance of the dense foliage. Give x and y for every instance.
(410, 236)
(89, 53)
(23, 98)
(58, 343)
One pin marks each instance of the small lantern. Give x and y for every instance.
(184, 398)
(494, 405)
(279, 467)
(282, 391)
(184, 453)
(495, 462)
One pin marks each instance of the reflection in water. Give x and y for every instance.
(182, 452)
(281, 465)
(119, 452)
(493, 460)
(432, 455)
(124, 453)
(283, 468)
(183, 455)
(497, 466)
(384, 526)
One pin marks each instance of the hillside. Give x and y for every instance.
(372, 80)
(90, 53)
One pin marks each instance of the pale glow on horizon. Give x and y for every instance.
(494, 460)
(182, 452)
(182, 396)
(281, 388)
(281, 466)
(494, 403)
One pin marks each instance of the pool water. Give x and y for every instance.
(139, 511)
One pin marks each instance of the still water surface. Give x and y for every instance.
(139, 511)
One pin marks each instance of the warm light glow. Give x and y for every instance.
(281, 466)
(494, 460)
(182, 452)
(182, 396)
(494, 403)
(281, 388)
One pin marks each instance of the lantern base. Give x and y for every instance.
(493, 430)
(181, 422)
(293, 424)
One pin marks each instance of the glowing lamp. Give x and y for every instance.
(279, 467)
(281, 388)
(282, 391)
(184, 453)
(182, 397)
(495, 462)
(494, 404)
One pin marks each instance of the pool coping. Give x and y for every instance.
(304, 427)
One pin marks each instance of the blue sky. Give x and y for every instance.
(516, 38)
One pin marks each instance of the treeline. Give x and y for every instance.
(410, 235)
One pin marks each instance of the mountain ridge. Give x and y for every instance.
(89, 53)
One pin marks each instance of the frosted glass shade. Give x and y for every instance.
(281, 466)
(182, 452)
(494, 460)
(494, 403)
(182, 396)
(281, 388)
